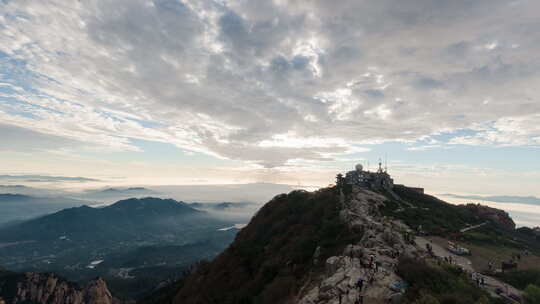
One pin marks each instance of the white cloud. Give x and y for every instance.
(230, 79)
(507, 131)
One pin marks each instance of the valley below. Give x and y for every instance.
(134, 244)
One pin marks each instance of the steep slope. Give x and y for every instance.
(313, 248)
(40, 288)
(272, 255)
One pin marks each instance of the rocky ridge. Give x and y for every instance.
(383, 242)
(48, 288)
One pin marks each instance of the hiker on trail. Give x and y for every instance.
(377, 264)
(360, 284)
(483, 282)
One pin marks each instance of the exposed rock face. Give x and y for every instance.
(50, 289)
(498, 216)
(382, 242)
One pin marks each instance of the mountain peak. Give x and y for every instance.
(312, 247)
(151, 203)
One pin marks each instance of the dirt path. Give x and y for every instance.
(491, 283)
(472, 227)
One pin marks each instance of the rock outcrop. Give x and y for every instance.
(499, 217)
(48, 288)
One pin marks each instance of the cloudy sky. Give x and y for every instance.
(186, 92)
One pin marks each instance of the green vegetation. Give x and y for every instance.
(432, 284)
(436, 217)
(271, 258)
(493, 235)
(532, 294)
(501, 240)
(521, 278)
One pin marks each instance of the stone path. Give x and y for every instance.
(381, 239)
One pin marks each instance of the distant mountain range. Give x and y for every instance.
(18, 207)
(226, 206)
(254, 192)
(112, 194)
(83, 242)
(530, 200)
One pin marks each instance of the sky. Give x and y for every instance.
(207, 92)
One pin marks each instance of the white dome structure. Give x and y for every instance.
(359, 167)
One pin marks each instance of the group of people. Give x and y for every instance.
(478, 279)
(359, 286)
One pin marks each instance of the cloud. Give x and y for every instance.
(228, 79)
(530, 200)
(506, 131)
(44, 178)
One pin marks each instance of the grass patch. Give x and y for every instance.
(521, 278)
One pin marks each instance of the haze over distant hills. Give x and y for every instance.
(17, 207)
(112, 194)
(530, 200)
(251, 192)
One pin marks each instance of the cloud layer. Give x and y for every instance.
(272, 82)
